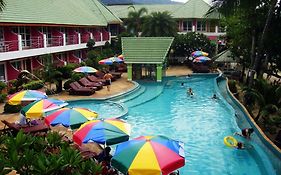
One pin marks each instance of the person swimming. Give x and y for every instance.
(214, 96)
(190, 92)
(246, 132)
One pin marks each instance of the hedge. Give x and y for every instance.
(33, 85)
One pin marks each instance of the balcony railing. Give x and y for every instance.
(37, 42)
(7, 46)
(43, 41)
(72, 39)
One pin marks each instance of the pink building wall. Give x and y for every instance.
(36, 64)
(72, 36)
(36, 38)
(11, 39)
(57, 37)
(105, 35)
(58, 62)
(12, 73)
(97, 35)
(72, 58)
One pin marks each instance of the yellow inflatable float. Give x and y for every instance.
(230, 141)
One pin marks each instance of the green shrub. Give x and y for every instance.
(232, 86)
(12, 108)
(67, 83)
(12, 90)
(3, 97)
(2, 85)
(33, 85)
(77, 76)
(67, 70)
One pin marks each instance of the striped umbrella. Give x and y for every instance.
(108, 131)
(198, 54)
(121, 57)
(26, 95)
(111, 60)
(38, 108)
(70, 117)
(85, 69)
(153, 155)
(201, 59)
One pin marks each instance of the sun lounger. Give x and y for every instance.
(85, 82)
(28, 129)
(80, 90)
(100, 75)
(93, 78)
(86, 153)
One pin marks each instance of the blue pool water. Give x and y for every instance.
(199, 121)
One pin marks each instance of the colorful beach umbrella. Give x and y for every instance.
(201, 59)
(26, 95)
(121, 57)
(153, 155)
(85, 69)
(38, 108)
(111, 60)
(70, 117)
(108, 131)
(198, 54)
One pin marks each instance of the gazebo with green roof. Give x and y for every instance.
(145, 53)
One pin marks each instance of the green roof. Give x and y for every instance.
(190, 9)
(65, 12)
(146, 50)
(193, 9)
(225, 56)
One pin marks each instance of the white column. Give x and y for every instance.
(91, 36)
(193, 28)
(101, 37)
(64, 39)
(44, 40)
(19, 42)
(79, 38)
(217, 29)
(109, 37)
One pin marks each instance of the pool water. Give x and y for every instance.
(200, 122)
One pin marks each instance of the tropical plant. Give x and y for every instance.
(159, 24)
(135, 20)
(27, 154)
(185, 44)
(90, 44)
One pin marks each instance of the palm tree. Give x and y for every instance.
(159, 24)
(228, 7)
(135, 20)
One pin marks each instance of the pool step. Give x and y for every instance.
(126, 97)
(123, 95)
(150, 93)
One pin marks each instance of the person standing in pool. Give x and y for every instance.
(108, 78)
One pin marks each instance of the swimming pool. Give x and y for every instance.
(199, 121)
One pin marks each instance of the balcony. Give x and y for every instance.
(42, 45)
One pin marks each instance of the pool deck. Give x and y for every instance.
(117, 87)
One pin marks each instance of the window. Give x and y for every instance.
(16, 65)
(47, 31)
(187, 26)
(1, 34)
(201, 26)
(25, 36)
(62, 56)
(2, 72)
(78, 53)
